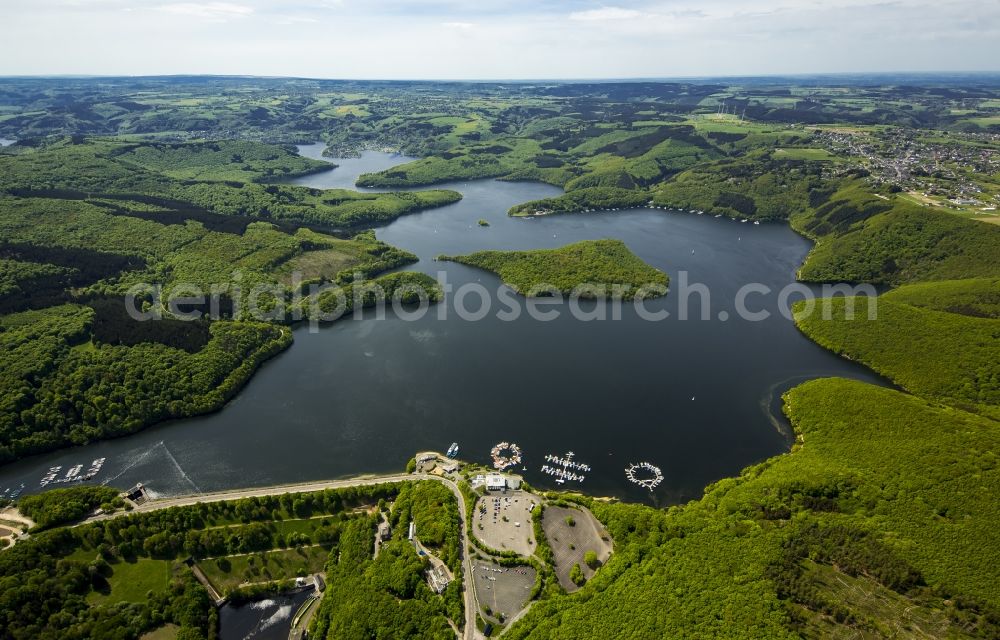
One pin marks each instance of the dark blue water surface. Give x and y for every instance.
(697, 398)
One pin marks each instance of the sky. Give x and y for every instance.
(489, 39)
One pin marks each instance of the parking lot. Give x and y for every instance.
(503, 521)
(504, 590)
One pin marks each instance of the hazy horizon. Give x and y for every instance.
(498, 41)
(940, 74)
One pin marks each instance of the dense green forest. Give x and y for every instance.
(85, 220)
(198, 180)
(62, 388)
(62, 506)
(121, 577)
(404, 287)
(943, 355)
(387, 596)
(384, 597)
(863, 238)
(884, 490)
(880, 522)
(594, 268)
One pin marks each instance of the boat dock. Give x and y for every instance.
(564, 468)
(505, 455)
(644, 474)
(73, 474)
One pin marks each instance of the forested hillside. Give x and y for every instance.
(123, 577)
(85, 220)
(199, 181)
(879, 518)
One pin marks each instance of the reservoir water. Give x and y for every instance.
(268, 618)
(698, 398)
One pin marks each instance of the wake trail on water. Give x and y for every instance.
(180, 470)
(265, 621)
(137, 461)
(141, 458)
(280, 615)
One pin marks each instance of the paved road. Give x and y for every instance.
(468, 580)
(520, 614)
(471, 632)
(257, 492)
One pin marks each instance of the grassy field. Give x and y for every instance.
(131, 581)
(984, 121)
(229, 572)
(820, 155)
(940, 205)
(166, 632)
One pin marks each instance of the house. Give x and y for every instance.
(438, 579)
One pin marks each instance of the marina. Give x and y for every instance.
(505, 455)
(564, 468)
(644, 474)
(72, 474)
(9, 494)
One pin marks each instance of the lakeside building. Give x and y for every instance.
(496, 482)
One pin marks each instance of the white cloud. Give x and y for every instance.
(214, 11)
(604, 14)
(296, 20)
(498, 38)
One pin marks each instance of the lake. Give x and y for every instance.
(698, 398)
